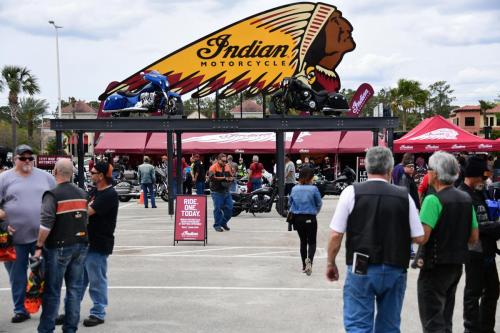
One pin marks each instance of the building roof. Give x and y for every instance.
(467, 108)
(249, 105)
(80, 107)
(496, 109)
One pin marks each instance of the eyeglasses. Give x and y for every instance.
(24, 158)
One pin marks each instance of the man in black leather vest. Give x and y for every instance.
(450, 224)
(63, 238)
(481, 275)
(380, 220)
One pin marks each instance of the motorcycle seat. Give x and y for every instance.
(127, 93)
(322, 93)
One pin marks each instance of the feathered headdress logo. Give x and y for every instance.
(255, 53)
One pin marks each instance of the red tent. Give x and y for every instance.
(437, 133)
(264, 142)
(121, 143)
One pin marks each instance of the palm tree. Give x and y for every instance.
(408, 96)
(17, 80)
(31, 113)
(484, 106)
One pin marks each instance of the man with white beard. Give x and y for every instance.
(21, 190)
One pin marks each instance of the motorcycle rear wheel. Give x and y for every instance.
(123, 198)
(236, 212)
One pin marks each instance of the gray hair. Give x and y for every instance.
(446, 167)
(379, 161)
(255, 158)
(64, 168)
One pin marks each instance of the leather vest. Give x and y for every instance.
(448, 241)
(379, 224)
(71, 222)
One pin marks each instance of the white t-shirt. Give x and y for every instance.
(346, 205)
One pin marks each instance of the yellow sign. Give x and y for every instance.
(258, 52)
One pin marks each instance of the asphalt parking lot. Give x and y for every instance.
(246, 280)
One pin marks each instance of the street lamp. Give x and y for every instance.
(58, 69)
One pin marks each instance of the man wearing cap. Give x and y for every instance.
(21, 190)
(103, 211)
(481, 276)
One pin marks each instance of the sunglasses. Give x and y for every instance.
(223, 161)
(24, 158)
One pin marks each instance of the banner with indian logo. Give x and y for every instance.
(256, 53)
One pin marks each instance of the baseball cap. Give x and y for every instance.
(105, 168)
(475, 167)
(21, 149)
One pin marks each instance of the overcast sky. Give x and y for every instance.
(101, 41)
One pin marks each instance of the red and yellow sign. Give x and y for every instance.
(256, 53)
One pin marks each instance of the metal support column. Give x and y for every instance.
(280, 171)
(59, 145)
(80, 153)
(263, 105)
(170, 179)
(217, 106)
(390, 138)
(178, 176)
(375, 137)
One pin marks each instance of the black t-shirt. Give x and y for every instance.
(199, 169)
(102, 224)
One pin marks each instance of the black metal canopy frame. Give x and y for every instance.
(279, 125)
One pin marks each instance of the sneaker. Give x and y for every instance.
(225, 227)
(20, 317)
(92, 321)
(219, 229)
(153, 207)
(308, 267)
(60, 319)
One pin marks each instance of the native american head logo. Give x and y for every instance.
(256, 53)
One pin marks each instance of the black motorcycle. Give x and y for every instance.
(258, 201)
(335, 187)
(295, 94)
(161, 188)
(128, 186)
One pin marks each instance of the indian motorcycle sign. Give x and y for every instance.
(256, 53)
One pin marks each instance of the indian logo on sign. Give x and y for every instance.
(256, 53)
(484, 146)
(243, 137)
(432, 147)
(455, 146)
(406, 147)
(438, 134)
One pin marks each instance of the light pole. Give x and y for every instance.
(58, 69)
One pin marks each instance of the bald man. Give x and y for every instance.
(64, 242)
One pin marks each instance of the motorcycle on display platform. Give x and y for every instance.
(258, 201)
(154, 97)
(295, 94)
(336, 186)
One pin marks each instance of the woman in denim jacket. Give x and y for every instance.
(305, 202)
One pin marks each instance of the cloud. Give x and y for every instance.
(473, 75)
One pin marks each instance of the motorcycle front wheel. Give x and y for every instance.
(277, 104)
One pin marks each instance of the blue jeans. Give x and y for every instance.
(256, 183)
(96, 267)
(383, 284)
(18, 276)
(223, 208)
(148, 189)
(65, 263)
(200, 187)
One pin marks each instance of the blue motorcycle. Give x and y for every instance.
(155, 97)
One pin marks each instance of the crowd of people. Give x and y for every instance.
(48, 215)
(440, 205)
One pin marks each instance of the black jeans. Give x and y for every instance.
(480, 294)
(436, 297)
(307, 228)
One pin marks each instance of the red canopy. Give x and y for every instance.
(264, 142)
(121, 142)
(437, 133)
